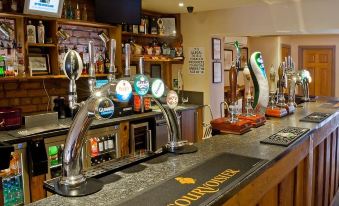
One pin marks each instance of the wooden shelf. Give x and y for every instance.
(124, 33)
(148, 58)
(41, 45)
(44, 77)
(84, 23)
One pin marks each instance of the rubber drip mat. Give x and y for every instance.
(316, 117)
(286, 136)
(200, 185)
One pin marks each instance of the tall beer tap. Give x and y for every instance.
(273, 88)
(282, 84)
(248, 95)
(127, 60)
(91, 69)
(112, 69)
(233, 94)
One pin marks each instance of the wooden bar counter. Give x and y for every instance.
(305, 173)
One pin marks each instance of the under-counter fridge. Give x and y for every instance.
(15, 179)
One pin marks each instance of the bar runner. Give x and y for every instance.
(200, 185)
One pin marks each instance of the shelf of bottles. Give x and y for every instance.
(102, 148)
(12, 182)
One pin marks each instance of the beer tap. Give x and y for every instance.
(273, 88)
(127, 60)
(306, 79)
(91, 69)
(282, 85)
(248, 96)
(112, 69)
(233, 94)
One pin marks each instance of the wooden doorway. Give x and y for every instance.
(320, 61)
(285, 51)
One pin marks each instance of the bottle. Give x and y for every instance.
(14, 5)
(146, 25)
(100, 63)
(110, 142)
(142, 25)
(105, 139)
(64, 10)
(70, 13)
(100, 146)
(107, 62)
(31, 33)
(154, 28)
(1, 5)
(94, 147)
(2, 66)
(77, 12)
(41, 33)
(84, 13)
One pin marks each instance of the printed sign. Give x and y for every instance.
(123, 91)
(141, 84)
(196, 62)
(105, 108)
(172, 99)
(158, 88)
(44, 5)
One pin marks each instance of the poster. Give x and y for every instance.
(44, 5)
(196, 62)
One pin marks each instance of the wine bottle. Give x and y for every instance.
(77, 12)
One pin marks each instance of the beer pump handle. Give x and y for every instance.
(127, 60)
(247, 81)
(233, 84)
(113, 46)
(273, 81)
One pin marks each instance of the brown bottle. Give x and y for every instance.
(233, 73)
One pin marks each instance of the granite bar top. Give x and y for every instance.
(127, 183)
(7, 136)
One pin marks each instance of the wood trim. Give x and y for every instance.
(36, 187)
(332, 47)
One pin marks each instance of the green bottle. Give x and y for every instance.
(2, 66)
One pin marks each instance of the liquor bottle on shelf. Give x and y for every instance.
(142, 25)
(107, 62)
(100, 63)
(146, 25)
(1, 5)
(64, 10)
(154, 24)
(31, 32)
(84, 13)
(70, 12)
(77, 12)
(41, 33)
(14, 5)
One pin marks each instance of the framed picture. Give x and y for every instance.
(217, 78)
(38, 64)
(155, 71)
(243, 57)
(216, 49)
(228, 59)
(169, 26)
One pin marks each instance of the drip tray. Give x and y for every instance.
(286, 136)
(107, 168)
(316, 117)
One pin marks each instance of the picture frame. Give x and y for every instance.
(228, 59)
(216, 49)
(169, 26)
(217, 72)
(38, 64)
(155, 70)
(243, 57)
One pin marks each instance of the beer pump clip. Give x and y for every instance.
(273, 110)
(232, 124)
(256, 119)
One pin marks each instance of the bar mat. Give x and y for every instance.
(286, 136)
(201, 185)
(316, 117)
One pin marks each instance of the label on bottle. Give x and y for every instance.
(101, 147)
(110, 143)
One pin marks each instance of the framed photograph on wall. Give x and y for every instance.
(216, 49)
(217, 72)
(243, 57)
(228, 59)
(38, 64)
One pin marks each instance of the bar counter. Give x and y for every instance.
(305, 172)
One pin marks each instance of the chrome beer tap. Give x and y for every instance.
(112, 69)
(91, 69)
(273, 88)
(282, 84)
(306, 79)
(248, 96)
(127, 60)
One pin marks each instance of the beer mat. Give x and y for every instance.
(286, 136)
(203, 184)
(316, 117)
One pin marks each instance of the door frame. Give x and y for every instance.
(332, 47)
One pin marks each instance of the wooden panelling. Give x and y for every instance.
(337, 161)
(270, 198)
(36, 187)
(333, 166)
(299, 192)
(319, 175)
(327, 168)
(286, 190)
(124, 138)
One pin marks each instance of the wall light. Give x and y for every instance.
(181, 4)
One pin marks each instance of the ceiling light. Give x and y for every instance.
(181, 4)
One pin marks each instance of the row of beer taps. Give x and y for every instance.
(288, 78)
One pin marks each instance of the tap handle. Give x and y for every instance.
(113, 46)
(127, 60)
(233, 84)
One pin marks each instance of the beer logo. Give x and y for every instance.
(105, 108)
(172, 99)
(260, 63)
(158, 88)
(123, 91)
(141, 84)
(185, 180)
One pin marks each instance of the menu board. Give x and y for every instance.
(196, 62)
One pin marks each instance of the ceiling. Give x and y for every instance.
(171, 6)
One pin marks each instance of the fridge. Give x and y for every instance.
(15, 179)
